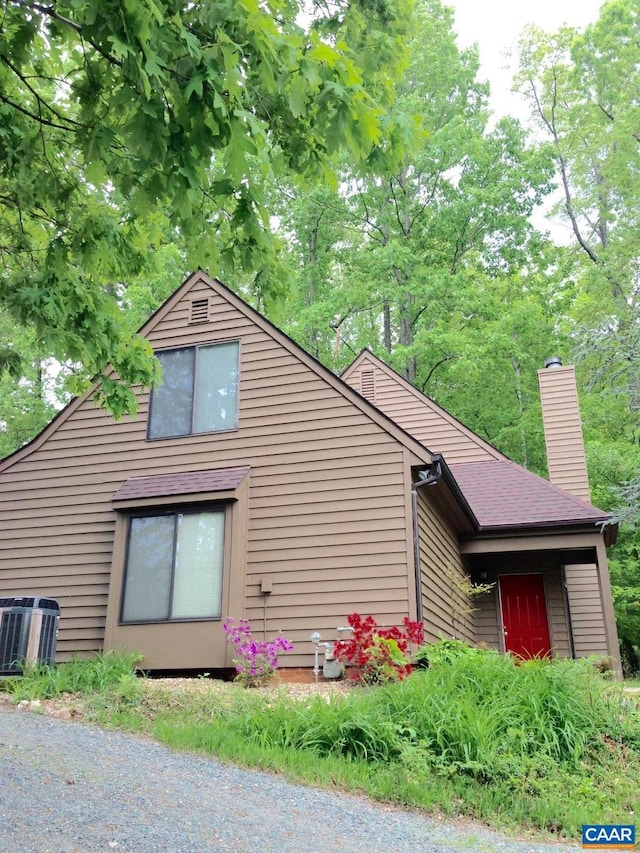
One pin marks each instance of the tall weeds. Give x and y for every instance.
(477, 712)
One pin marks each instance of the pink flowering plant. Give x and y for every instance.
(256, 661)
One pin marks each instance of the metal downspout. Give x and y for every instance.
(567, 607)
(427, 478)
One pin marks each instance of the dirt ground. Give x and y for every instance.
(69, 706)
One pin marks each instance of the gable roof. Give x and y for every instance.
(500, 493)
(451, 431)
(376, 414)
(480, 492)
(384, 421)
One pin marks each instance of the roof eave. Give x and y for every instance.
(457, 492)
(586, 525)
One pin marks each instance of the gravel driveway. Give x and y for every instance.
(72, 788)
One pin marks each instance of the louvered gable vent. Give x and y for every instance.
(199, 311)
(368, 385)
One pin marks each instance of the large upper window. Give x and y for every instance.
(198, 392)
(174, 567)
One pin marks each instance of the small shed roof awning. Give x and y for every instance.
(185, 483)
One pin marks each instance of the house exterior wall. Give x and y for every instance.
(443, 605)
(326, 503)
(585, 608)
(416, 413)
(486, 620)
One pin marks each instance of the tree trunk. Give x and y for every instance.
(39, 383)
(523, 438)
(386, 322)
(405, 330)
(406, 337)
(310, 264)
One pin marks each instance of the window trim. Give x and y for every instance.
(196, 348)
(183, 645)
(174, 510)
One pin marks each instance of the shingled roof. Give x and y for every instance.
(503, 494)
(186, 483)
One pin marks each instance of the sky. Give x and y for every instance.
(496, 24)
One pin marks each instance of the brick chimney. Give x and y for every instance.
(563, 428)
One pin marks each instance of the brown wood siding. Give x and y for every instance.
(326, 500)
(487, 617)
(442, 604)
(585, 608)
(419, 416)
(563, 430)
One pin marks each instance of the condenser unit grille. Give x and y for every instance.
(12, 640)
(30, 601)
(47, 643)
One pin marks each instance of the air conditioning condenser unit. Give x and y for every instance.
(28, 632)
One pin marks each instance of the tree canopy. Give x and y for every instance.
(124, 121)
(435, 265)
(583, 91)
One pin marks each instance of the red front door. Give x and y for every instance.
(524, 615)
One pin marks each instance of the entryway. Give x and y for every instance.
(524, 615)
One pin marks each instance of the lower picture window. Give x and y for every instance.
(174, 567)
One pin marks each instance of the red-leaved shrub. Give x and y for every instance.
(375, 655)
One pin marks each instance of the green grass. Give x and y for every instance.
(104, 673)
(543, 746)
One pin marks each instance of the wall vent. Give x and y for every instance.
(199, 311)
(368, 385)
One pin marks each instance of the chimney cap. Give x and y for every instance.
(554, 361)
